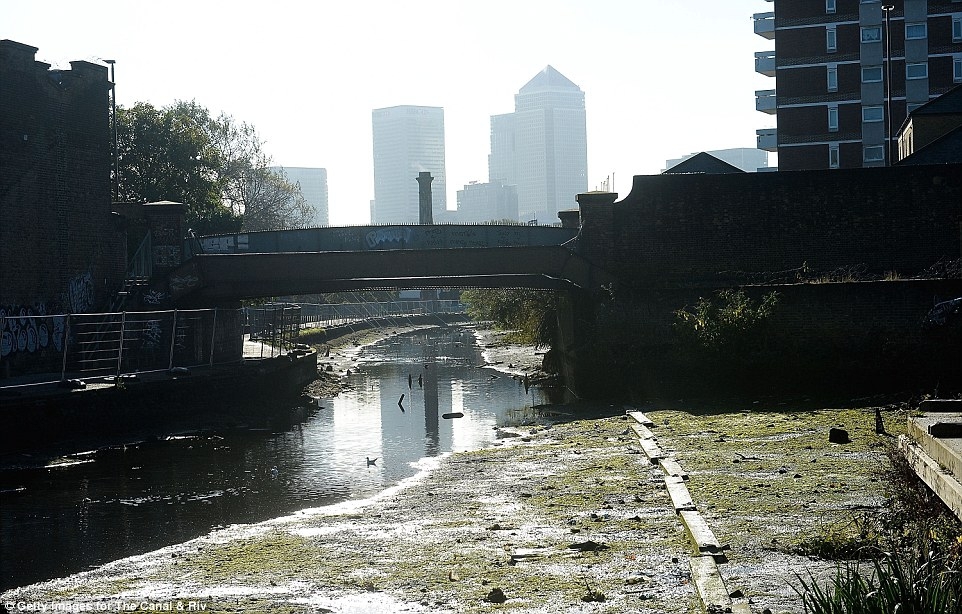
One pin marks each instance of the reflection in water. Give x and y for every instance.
(136, 498)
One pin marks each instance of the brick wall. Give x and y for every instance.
(821, 339)
(59, 247)
(716, 230)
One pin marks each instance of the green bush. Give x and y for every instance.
(728, 324)
(529, 314)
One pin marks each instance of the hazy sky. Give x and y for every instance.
(661, 79)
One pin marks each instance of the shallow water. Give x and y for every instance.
(95, 507)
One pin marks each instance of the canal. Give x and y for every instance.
(87, 509)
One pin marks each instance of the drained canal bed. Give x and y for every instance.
(559, 515)
(410, 396)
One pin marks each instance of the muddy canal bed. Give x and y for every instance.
(549, 508)
(552, 517)
(67, 513)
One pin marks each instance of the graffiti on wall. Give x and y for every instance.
(152, 334)
(25, 330)
(154, 297)
(79, 297)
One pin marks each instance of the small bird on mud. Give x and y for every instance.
(274, 473)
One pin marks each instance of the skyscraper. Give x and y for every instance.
(542, 147)
(313, 182)
(848, 72)
(487, 202)
(407, 140)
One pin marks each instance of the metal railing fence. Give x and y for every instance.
(336, 314)
(86, 345)
(275, 325)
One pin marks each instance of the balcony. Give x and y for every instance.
(765, 101)
(765, 63)
(765, 24)
(767, 139)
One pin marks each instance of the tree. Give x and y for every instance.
(167, 154)
(252, 189)
(215, 166)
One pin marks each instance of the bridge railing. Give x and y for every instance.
(338, 314)
(44, 348)
(388, 237)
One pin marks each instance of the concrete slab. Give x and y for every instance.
(709, 585)
(680, 497)
(642, 431)
(671, 467)
(701, 535)
(639, 417)
(942, 482)
(947, 451)
(652, 450)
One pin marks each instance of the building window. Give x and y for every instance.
(831, 77)
(914, 31)
(872, 34)
(829, 6)
(872, 74)
(833, 119)
(957, 69)
(875, 153)
(831, 42)
(872, 114)
(833, 155)
(919, 70)
(956, 28)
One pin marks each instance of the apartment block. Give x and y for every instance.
(847, 73)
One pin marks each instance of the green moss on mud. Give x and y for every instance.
(769, 479)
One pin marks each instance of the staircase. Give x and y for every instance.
(139, 271)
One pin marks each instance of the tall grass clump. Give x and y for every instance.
(912, 561)
(927, 581)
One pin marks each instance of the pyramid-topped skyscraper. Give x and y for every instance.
(542, 147)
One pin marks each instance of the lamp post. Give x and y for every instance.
(113, 124)
(887, 8)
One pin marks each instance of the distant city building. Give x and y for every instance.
(542, 147)
(839, 101)
(487, 202)
(407, 141)
(313, 182)
(747, 159)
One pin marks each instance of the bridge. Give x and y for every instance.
(229, 267)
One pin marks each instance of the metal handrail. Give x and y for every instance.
(65, 346)
(141, 264)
